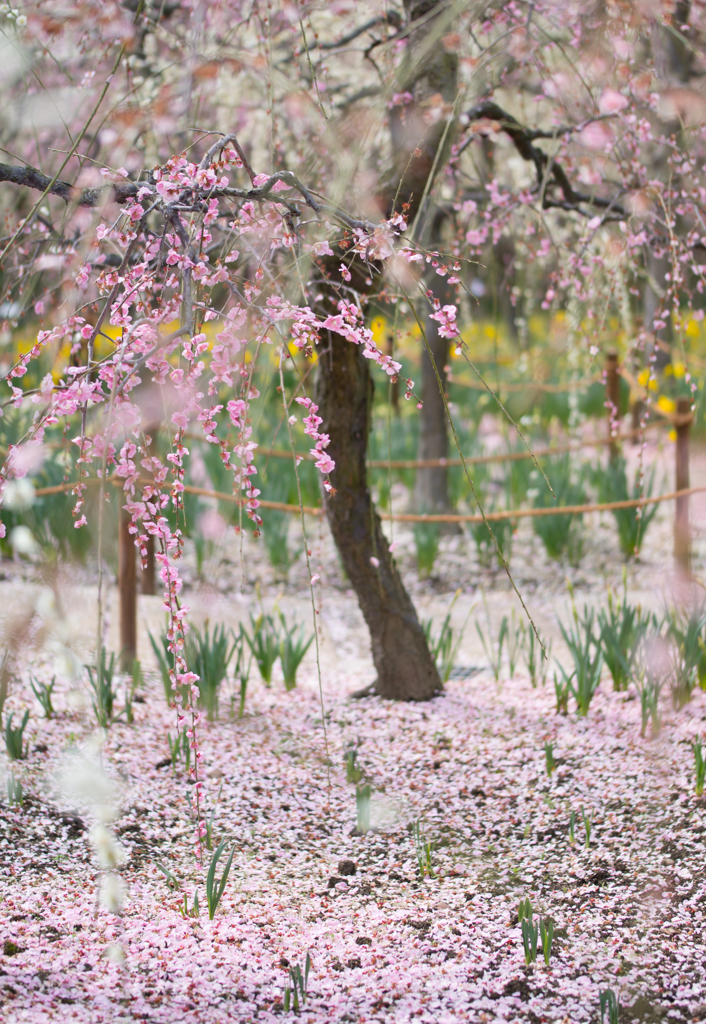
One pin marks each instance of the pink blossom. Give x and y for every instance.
(611, 102)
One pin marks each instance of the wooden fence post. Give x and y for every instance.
(612, 390)
(127, 588)
(147, 573)
(682, 539)
(395, 386)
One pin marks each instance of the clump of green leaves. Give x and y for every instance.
(353, 772)
(208, 655)
(502, 531)
(561, 689)
(295, 993)
(586, 818)
(264, 644)
(685, 629)
(104, 694)
(292, 647)
(165, 660)
(492, 645)
(534, 934)
(14, 737)
(444, 645)
(426, 541)
(632, 523)
(43, 692)
(242, 670)
(424, 850)
(610, 1005)
(537, 660)
(179, 748)
(587, 656)
(649, 687)
(530, 931)
(621, 627)
(214, 887)
(560, 534)
(549, 757)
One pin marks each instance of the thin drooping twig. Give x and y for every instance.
(311, 578)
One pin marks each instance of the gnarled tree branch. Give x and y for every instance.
(546, 167)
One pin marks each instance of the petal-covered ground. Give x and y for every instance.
(468, 768)
(385, 945)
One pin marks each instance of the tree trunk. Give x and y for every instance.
(405, 668)
(344, 386)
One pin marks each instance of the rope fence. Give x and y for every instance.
(420, 517)
(680, 420)
(481, 460)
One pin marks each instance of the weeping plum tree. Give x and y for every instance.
(193, 185)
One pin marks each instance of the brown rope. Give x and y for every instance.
(476, 460)
(410, 517)
(531, 385)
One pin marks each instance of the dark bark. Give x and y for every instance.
(404, 665)
(405, 668)
(30, 177)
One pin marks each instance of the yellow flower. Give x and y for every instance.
(672, 435)
(642, 377)
(666, 404)
(378, 325)
(679, 369)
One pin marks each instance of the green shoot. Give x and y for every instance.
(546, 935)
(192, 911)
(296, 992)
(291, 651)
(609, 1002)
(178, 748)
(353, 772)
(424, 850)
(214, 888)
(104, 695)
(362, 803)
(171, 879)
(549, 757)
(587, 826)
(442, 646)
(43, 693)
(561, 688)
(16, 750)
(15, 792)
(264, 644)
